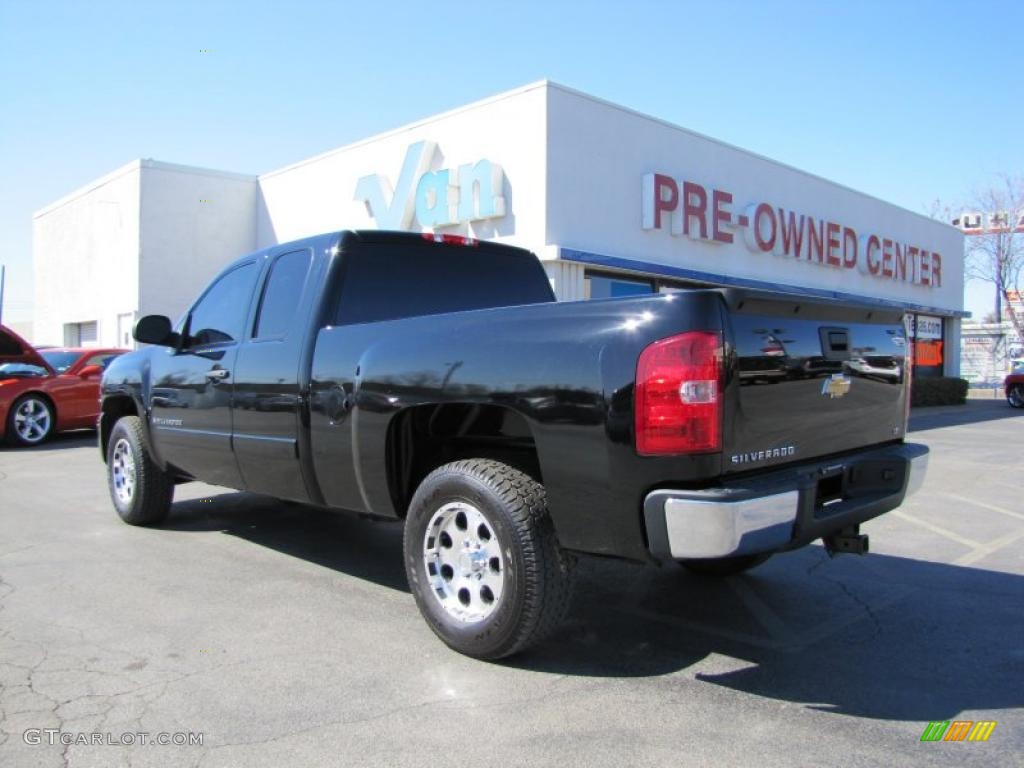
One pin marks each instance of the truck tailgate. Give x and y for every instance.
(812, 379)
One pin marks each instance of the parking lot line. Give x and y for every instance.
(984, 505)
(984, 550)
(936, 529)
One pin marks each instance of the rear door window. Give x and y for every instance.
(281, 294)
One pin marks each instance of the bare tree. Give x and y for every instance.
(995, 248)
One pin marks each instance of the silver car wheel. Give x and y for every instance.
(122, 470)
(32, 420)
(464, 562)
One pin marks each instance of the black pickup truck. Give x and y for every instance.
(435, 379)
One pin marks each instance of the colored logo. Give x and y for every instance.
(835, 386)
(958, 730)
(433, 197)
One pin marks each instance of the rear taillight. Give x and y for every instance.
(679, 395)
(437, 237)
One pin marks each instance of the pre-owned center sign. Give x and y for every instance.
(686, 208)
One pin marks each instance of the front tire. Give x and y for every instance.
(141, 491)
(1015, 396)
(31, 421)
(483, 561)
(725, 566)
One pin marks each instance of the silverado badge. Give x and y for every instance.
(835, 386)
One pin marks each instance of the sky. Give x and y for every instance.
(908, 101)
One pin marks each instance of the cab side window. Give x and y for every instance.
(219, 316)
(281, 295)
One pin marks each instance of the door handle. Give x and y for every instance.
(218, 373)
(338, 404)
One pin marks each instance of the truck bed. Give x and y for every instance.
(569, 371)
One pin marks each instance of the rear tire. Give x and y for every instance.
(141, 491)
(725, 566)
(483, 561)
(1015, 396)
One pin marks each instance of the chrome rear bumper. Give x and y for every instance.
(782, 509)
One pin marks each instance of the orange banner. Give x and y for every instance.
(928, 353)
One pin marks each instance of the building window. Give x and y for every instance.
(606, 285)
(80, 334)
(600, 286)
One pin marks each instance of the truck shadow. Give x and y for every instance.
(367, 549)
(882, 636)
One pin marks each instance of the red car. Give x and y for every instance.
(49, 390)
(1015, 386)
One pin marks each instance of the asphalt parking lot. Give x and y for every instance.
(288, 637)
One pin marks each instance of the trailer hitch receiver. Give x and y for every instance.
(849, 540)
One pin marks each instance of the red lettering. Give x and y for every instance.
(831, 253)
(912, 260)
(900, 262)
(792, 234)
(816, 240)
(697, 210)
(936, 269)
(720, 216)
(925, 268)
(764, 243)
(661, 202)
(886, 257)
(849, 248)
(872, 250)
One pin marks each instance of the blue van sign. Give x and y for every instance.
(433, 198)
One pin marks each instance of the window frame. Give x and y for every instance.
(186, 335)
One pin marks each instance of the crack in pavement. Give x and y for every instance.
(849, 593)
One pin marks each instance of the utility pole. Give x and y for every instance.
(3, 274)
(999, 296)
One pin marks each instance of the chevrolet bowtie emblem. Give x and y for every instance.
(835, 386)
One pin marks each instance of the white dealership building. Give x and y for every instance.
(612, 201)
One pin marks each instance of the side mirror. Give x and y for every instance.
(155, 329)
(90, 371)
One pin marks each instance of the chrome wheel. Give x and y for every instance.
(32, 420)
(464, 562)
(122, 470)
